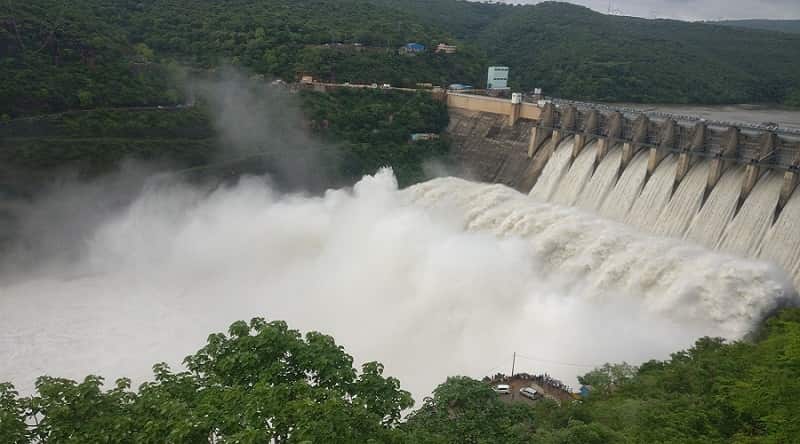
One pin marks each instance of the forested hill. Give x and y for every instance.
(792, 26)
(88, 53)
(575, 52)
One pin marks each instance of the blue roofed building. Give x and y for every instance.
(412, 49)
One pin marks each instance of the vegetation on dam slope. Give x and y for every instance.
(363, 130)
(264, 381)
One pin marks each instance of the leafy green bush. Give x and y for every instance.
(263, 381)
(259, 382)
(374, 129)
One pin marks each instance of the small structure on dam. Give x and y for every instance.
(732, 188)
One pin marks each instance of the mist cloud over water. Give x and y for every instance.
(447, 277)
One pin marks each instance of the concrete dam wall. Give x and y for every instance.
(728, 189)
(490, 150)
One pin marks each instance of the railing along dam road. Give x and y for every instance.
(731, 188)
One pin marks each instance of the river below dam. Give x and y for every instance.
(448, 277)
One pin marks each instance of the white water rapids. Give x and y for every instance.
(654, 205)
(447, 277)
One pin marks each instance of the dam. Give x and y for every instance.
(728, 188)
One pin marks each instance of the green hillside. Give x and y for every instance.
(132, 56)
(81, 54)
(792, 26)
(92, 53)
(574, 52)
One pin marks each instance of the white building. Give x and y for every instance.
(498, 77)
(445, 48)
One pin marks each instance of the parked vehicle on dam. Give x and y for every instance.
(502, 389)
(459, 87)
(529, 393)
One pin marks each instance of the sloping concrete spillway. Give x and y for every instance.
(751, 224)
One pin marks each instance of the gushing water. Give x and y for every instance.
(654, 197)
(685, 281)
(555, 169)
(744, 234)
(449, 273)
(619, 202)
(782, 243)
(710, 222)
(655, 207)
(575, 180)
(602, 181)
(684, 204)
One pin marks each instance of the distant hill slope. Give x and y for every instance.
(79, 53)
(88, 53)
(792, 26)
(575, 52)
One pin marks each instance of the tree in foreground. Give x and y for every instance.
(262, 382)
(463, 410)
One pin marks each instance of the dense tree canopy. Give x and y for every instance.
(263, 380)
(377, 126)
(574, 52)
(81, 54)
(259, 382)
(792, 26)
(127, 54)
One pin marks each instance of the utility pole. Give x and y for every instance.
(510, 380)
(513, 363)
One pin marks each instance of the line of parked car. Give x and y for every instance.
(527, 392)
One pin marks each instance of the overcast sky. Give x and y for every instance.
(696, 9)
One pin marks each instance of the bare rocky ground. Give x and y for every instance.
(519, 382)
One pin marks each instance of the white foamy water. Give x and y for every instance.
(555, 169)
(654, 207)
(748, 228)
(710, 222)
(654, 197)
(602, 181)
(782, 243)
(619, 202)
(575, 180)
(450, 277)
(684, 204)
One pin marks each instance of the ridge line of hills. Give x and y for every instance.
(789, 26)
(91, 53)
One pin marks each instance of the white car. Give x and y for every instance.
(502, 389)
(386, 86)
(529, 393)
